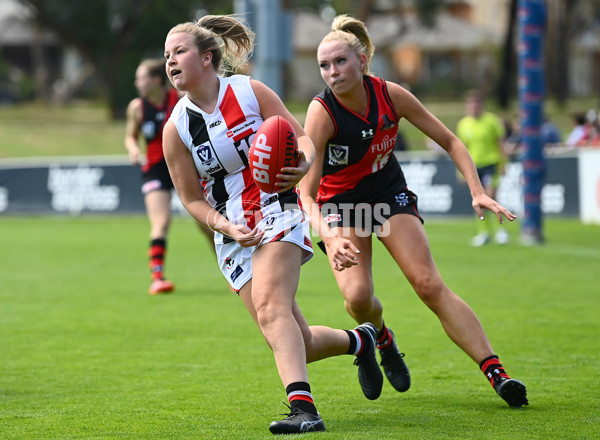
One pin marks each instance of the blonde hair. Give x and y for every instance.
(155, 68)
(355, 33)
(225, 36)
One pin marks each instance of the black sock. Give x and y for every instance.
(300, 397)
(352, 347)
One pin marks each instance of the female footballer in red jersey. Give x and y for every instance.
(146, 117)
(356, 187)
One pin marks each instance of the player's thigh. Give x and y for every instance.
(275, 273)
(408, 244)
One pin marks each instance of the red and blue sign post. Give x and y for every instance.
(532, 19)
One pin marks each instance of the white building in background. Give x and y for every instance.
(29, 55)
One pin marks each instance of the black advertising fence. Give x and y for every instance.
(72, 186)
(105, 185)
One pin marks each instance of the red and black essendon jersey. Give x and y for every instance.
(359, 165)
(153, 121)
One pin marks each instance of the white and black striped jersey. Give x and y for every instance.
(219, 143)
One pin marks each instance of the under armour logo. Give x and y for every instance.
(367, 133)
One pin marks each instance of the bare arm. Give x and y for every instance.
(409, 107)
(320, 129)
(132, 130)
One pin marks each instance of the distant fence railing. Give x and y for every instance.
(109, 184)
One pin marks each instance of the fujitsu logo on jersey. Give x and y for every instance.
(385, 144)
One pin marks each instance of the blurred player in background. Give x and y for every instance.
(146, 116)
(261, 239)
(483, 134)
(356, 188)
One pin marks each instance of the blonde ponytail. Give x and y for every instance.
(230, 41)
(355, 33)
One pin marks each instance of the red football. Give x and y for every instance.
(273, 147)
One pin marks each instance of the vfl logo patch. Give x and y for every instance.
(338, 155)
(269, 224)
(204, 154)
(208, 159)
(148, 129)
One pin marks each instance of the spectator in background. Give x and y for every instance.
(512, 141)
(146, 116)
(550, 133)
(580, 134)
(594, 122)
(483, 134)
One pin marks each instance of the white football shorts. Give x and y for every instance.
(290, 225)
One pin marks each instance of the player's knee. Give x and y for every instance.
(359, 297)
(268, 311)
(429, 288)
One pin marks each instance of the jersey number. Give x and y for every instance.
(380, 161)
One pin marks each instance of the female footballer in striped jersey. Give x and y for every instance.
(262, 239)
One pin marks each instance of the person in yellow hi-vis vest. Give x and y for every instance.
(483, 134)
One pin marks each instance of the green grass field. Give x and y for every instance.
(86, 353)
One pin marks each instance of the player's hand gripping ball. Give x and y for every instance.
(274, 146)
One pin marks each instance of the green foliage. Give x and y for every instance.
(115, 35)
(88, 354)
